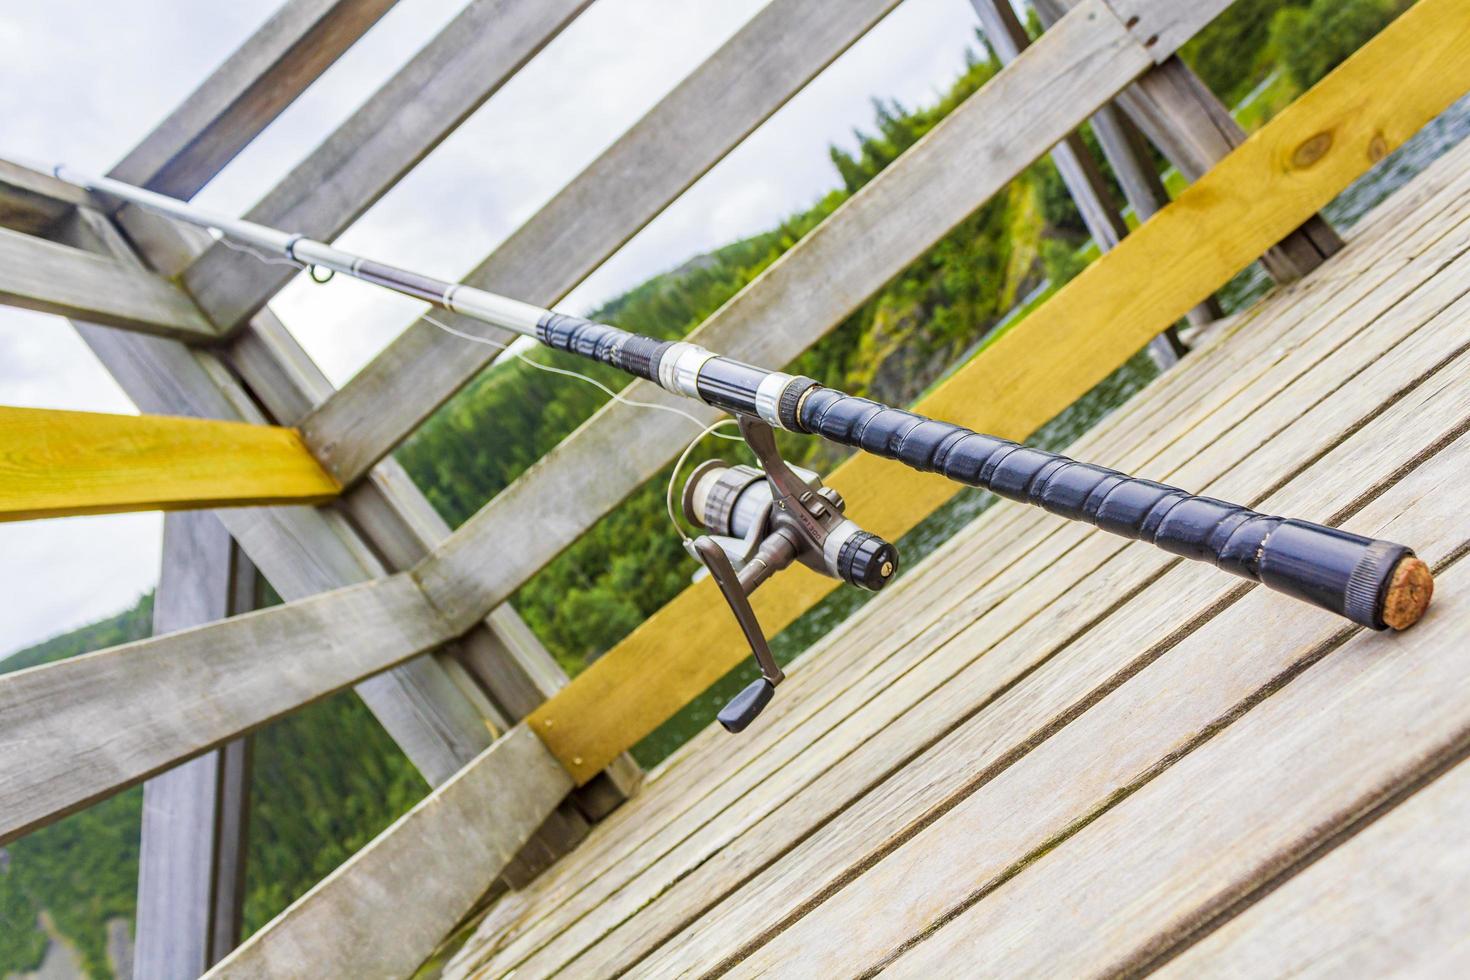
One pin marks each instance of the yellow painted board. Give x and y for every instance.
(1269, 185)
(57, 463)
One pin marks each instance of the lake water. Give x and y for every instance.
(1345, 211)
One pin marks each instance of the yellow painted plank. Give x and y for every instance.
(1268, 186)
(56, 464)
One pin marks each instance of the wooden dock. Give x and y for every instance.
(1045, 751)
(1049, 753)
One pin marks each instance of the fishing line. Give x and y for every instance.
(551, 369)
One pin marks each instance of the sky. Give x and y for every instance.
(82, 82)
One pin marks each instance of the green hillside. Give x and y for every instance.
(327, 778)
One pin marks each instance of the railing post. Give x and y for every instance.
(1078, 169)
(1194, 130)
(191, 864)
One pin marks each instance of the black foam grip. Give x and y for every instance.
(1345, 573)
(631, 352)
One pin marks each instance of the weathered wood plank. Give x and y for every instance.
(300, 550)
(804, 294)
(879, 722)
(191, 859)
(355, 922)
(395, 128)
(1174, 693)
(59, 463)
(706, 116)
(32, 202)
(39, 275)
(81, 729)
(757, 755)
(1253, 196)
(241, 97)
(1356, 730)
(1391, 900)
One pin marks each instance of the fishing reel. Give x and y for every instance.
(759, 521)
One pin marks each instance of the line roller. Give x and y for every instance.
(761, 520)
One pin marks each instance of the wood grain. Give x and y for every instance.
(1388, 901)
(57, 463)
(39, 275)
(81, 729)
(191, 854)
(1368, 722)
(446, 852)
(1220, 223)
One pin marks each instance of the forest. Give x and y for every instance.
(327, 779)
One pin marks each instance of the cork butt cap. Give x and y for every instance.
(1409, 591)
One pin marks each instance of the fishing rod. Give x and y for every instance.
(759, 520)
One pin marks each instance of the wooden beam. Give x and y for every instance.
(1074, 162)
(1186, 252)
(81, 729)
(32, 202)
(457, 840)
(707, 115)
(191, 862)
(395, 128)
(60, 463)
(39, 275)
(244, 94)
(301, 551)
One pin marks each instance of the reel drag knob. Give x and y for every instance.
(867, 561)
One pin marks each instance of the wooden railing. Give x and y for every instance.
(377, 580)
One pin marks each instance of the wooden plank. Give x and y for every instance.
(1357, 730)
(191, 860)
(300, 550)
(1254, 195)
(81, 729)
(60, 463)
(885, 723)
(687, 779)
(868, 239)
(1175, 693)
(32, 202)
(39, 275)
(355, 921)
(395, 128)
(707, 115)
(1388, 901)
(245, 93)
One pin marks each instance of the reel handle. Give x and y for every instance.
(742, 710)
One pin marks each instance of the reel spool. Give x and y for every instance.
(759, 522)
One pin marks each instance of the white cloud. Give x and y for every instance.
(83, 81)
